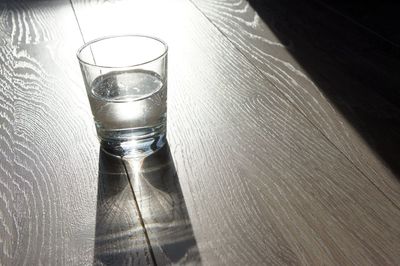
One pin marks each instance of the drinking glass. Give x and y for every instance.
(126, 82)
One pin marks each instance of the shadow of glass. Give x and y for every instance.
(156, 202)
(355, 69)
(119, 236)
(163, 209)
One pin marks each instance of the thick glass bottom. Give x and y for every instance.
(132, 142)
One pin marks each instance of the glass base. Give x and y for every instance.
(134, 148)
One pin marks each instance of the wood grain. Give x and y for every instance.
(342, 79)
(163, 209)
(119, 235)
(48, 161)
(262, 185)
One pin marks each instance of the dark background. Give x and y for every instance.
(350, 49)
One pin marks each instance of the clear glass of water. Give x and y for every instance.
(126, 82)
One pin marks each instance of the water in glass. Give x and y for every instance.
(129, 108)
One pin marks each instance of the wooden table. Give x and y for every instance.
(283, 139)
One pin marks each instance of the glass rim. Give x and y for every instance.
(86, 45)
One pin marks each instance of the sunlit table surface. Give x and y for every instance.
(283, 139)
